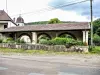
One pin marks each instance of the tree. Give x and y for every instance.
(54, 20)
(96, 39)
(98, 31)
(96, 25)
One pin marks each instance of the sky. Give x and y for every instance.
(40, 10)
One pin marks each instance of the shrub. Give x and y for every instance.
(68, 42)
(8, 40)
(61, 41)
(80, 43)
(43, 41)
(96, 49)
(58, 41)
(20, 41)
(4, 41)
(1, 40)
(96, 39)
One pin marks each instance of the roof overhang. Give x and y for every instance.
(50, 27)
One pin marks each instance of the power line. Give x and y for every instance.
(54, 8)
(72, 4)
(44, 9)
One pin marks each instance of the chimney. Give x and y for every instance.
(14, 19)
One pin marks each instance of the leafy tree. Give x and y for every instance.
(98, 31)
(96, 25)
(96, 39)
(54, 20)
(46, 22)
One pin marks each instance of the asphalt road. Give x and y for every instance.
(18, 66)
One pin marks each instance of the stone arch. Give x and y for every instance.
(11, 35)
(40, 35)
(73, 36)
(26, 36)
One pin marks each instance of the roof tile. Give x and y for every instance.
(50, 27)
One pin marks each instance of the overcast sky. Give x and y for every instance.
(37, 10)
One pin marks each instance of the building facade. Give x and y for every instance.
(32, 33)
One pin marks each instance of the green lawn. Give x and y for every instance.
(33, 52)
(95, 50)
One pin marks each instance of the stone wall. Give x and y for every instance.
(58, 48)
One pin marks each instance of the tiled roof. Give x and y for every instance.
(5, 17)
(50, 27)
(20, 20)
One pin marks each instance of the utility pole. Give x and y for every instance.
(6, 6)
(91, 12)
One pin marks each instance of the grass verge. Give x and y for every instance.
(7, 51)
(95, 50)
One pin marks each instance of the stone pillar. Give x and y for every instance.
(34, 37)
(85, 36)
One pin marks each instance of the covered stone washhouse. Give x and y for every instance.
(31, 33)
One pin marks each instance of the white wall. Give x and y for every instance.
(85, 36)
(10, 24)
(1, 27)
(26, 38)
(20, 24)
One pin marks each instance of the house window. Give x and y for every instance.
(5, 26)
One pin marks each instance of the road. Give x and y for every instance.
(47, 65)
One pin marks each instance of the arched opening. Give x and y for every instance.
(11, 35)
(67, 35)
(44, 36)
(25, 37)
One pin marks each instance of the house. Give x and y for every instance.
(5, 20)
(31, 33)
